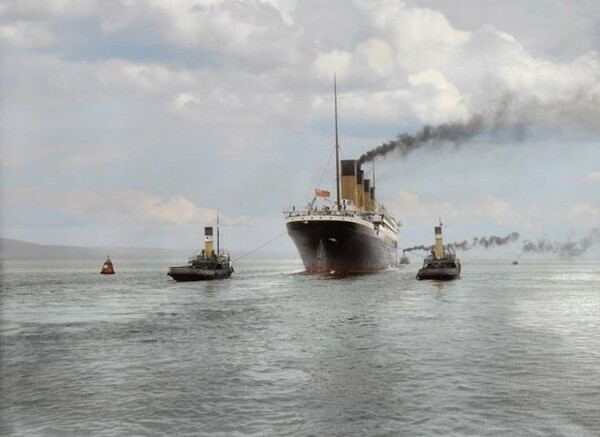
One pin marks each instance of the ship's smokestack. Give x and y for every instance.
(373, 207)
(360, 192)
(208, 242)
(367, 194)
(349, 180)
(439, 243)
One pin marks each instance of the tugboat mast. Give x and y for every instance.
(337, 147)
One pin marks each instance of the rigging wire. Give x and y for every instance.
(326, 168)
(260, 247)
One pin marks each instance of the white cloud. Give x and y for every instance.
(185, 101)
(540, 90)
(480, 209)
(111, 206)
(583, 214)
(592, 177)
(422, 38)
(486, 207)
(412, 209)
(144, 77)
(127, 207)
(435, 100)
(339, 62)
(377, 56)
(62, 8)
(384, 106)
(177, 210)
(205, 23)
(547, 80)
(286, 8)
(247, 34)
(468, 211)
(27, 35)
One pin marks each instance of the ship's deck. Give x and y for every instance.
(356, 216)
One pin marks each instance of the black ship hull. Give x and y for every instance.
(342, 246)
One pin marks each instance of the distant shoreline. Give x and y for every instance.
(17, 250)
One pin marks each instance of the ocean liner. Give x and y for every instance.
(354, 234)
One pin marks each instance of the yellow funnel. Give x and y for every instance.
(208, 242)
(439, 243)
(349, 180)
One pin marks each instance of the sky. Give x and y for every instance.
(131, 123)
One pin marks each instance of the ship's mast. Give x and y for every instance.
(337, 147)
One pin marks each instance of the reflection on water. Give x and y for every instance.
(438, 285)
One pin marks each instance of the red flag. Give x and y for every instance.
(322, 193)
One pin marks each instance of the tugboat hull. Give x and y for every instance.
(438, 273)
(186, 274)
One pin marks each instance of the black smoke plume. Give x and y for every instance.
(485, 242)
(507, 114)
(568, 249)
(404, 143)
(421, 247)
(495, 241)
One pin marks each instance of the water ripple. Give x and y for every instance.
(272, 352)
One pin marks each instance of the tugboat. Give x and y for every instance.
(107, 267)
(404, 259)
(209, 265)
(442, 263)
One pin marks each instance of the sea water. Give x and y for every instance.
(505, 350)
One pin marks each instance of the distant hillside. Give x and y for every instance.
(20, 250)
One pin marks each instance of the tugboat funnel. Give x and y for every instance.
(439, 244)
(208, 242)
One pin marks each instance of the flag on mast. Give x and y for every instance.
(322, 193)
